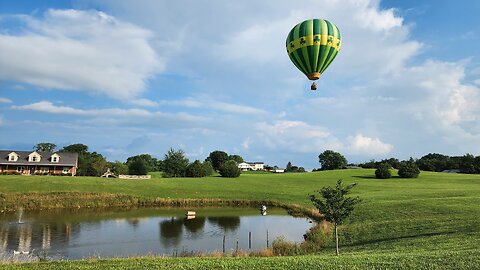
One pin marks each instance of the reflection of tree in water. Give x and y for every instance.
(226, 223)
(194, 225)
(171, 232)
(134, 222)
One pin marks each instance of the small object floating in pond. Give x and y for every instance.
(263, 208)
(190, 213)
(17, 252)
(190, 217)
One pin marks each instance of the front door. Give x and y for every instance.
(32, 169)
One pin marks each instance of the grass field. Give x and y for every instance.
(432, 222)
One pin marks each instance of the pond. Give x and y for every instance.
(85, 233)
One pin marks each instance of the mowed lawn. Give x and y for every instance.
(419, 221)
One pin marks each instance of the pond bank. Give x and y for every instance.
(11, 202)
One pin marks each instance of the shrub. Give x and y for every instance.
(383, 171)
(408, 169)
(282, 247)
(196, 169)
(229, 169)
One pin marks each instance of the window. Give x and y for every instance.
(55, 158)
(34, 158)
(66, 169)
(20, 169)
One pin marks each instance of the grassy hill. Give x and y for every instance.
(401, 223)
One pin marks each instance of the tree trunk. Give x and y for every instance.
(336, 240)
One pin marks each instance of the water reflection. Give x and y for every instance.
(71, 234)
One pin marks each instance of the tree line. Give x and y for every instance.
(174, 163)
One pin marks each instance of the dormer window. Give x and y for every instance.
(34, 157)
(13, 156)
(55, 158)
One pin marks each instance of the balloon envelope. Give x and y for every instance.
(312, 45)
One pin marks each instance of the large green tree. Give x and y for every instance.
(236, 158)
(334, 206)
(331, 160)
(89, 164)
(217, 158)
(137, 167)
(45, 147)
(152, 164)
(175, 163)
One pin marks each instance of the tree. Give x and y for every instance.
(45, 147)
(383, 171)
(335, 206)
(137, 167)
(208, 168)
(288, 168)
(331, 160)
(408, 169)
(75, 148)
(175, 163)
(217, 158)
(150, 162)
(229, 169)
(118, 167)
(468, 164)
(237, 158)
(196, 169)
(433, 162)
(97, 164)
(91, 164)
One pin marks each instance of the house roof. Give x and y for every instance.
(66, 159)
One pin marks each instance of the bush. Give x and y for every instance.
(408, 169)
(196, 169)
(229, 169)
(383, 171)
(137, 167)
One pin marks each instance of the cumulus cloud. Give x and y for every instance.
(80, 50)
(296, 136)
(362, 145)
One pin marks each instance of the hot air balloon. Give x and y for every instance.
(312, 45)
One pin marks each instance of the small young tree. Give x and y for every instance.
(335, 206)
(383, 171)
(175, 163)
(229, 169)
(408, 169)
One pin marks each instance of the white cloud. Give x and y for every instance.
(214, 105)
(5, 100)
(362, 145)
(114, 116)
(296, 136)
(80, 50)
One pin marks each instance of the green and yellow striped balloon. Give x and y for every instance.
(312, 45)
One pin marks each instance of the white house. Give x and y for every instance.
(251, 166)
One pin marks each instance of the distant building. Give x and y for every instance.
(278, 170)
(251, 166)
(28, 163)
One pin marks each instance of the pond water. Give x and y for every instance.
(77, 234)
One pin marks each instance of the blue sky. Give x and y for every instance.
(132, 77)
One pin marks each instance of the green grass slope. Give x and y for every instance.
(407, 222)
